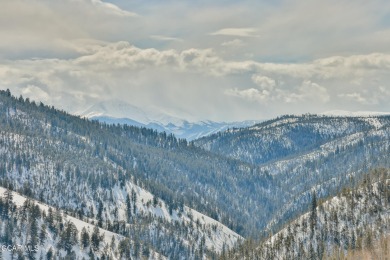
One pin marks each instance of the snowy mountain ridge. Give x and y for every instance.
(120, 112)
(120, 109)
(343, 113)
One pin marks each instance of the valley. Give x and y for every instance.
(164, 197)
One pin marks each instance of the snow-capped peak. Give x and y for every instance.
(120, 109)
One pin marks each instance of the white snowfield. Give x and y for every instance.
(218, 235)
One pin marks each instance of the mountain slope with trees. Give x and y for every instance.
(132, 180)
(81, 167)
(307, 152)
(353, 224)
(287, 136)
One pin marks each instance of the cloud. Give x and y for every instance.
(306, 92)
(311, 91)
(238, 32)
(165, 38)
(250, 94)
(35, 93)
(233, 43)
(264, 82)
(111, 8)
(373, 94)
(57, 28)
(354, 97)
(197, 81)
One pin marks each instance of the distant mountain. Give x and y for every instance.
(287, 136)
(120, 112)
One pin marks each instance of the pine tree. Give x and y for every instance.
(134, 200)
(50, 254)
(68, 237)
(50, 219)
(313, 214)
(42, 234)
(96, 238)
(112, 245)
(33, 232)
(100, 214)
(124, 248)
(8, 201)
(34, 240)
(128, 207)
(85, 240)
(155, 201)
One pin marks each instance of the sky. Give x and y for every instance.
(218, 60)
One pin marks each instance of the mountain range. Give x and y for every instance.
(120, 112)
(165, 197)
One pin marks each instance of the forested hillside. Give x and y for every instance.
(287, 136)
(307, 152)
(354, 224)
(104, 174)
(179, 198)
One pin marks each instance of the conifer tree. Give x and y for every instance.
(128, 207)
(42, 234)
(313, 214)
(85, 240)
(96, 238)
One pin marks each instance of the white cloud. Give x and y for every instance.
(368, 95)
(111, 8)
(307, 92)
(250, 94)
(35, 93)
(233, 43)
(165, 38)
(238, 32)
(264, 82)
(354, 97)
(182, 80)
(313, 92)
(43, 28)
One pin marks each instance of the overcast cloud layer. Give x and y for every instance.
(222, 61)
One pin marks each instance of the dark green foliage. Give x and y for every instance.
(96, 238)
(50, 254)
(42, 234)
(128, 207)
(68, 237)
(313, 214)
(125, 249)
(85, 240)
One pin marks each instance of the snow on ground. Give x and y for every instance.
(219, 236)
(19, 200)
(343, 113)
(222, 234)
